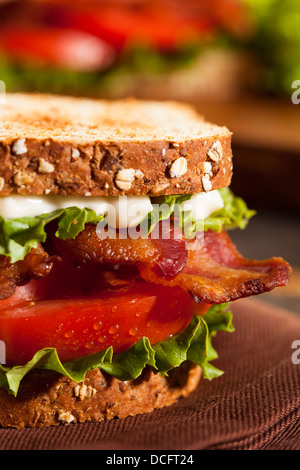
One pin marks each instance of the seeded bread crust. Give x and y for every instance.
(74, 146)
(49, 399)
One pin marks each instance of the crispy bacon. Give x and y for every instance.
(36, 264)
(165, 251)
(216, 272)
(210, 269)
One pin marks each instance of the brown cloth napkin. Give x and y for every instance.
(255, 405)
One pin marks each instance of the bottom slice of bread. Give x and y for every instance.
(47, 398)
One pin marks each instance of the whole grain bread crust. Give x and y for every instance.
(49, 399)
(75, 146)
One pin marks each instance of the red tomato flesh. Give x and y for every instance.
(118, 313)
(120, 26)
(68, 48)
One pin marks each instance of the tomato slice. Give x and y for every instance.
(118, 311)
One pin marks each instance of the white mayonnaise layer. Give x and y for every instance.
(203, 205)
(120, 212)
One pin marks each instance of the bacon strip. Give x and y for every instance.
(216, 272)
(165, 251)
(212, 270)
(36, 264)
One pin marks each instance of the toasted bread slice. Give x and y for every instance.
(48, 399)
(65, 145)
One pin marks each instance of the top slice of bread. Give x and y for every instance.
(64, 145)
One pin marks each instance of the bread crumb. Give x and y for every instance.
(178, 168)
(22, 178)
(127, 175)
(124, 178)
(138, 174)
(159, 188)
(206, 183)
(65, 416)
(19, 147)
(125, 185)
(84, 391)
(75, 154)
(208, 168)
(215, 152)
(45, 167)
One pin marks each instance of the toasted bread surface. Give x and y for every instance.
(49, 399)
(65, 145)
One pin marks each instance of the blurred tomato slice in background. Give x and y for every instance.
(121, 26)
(165, 25)
(64, 48)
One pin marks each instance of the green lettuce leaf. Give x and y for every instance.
(72, 221)
(163, 208)
(19, 236)
(217, 319)
(193, 343)
(234, 214)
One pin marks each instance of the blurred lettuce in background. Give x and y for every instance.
(275, 44)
